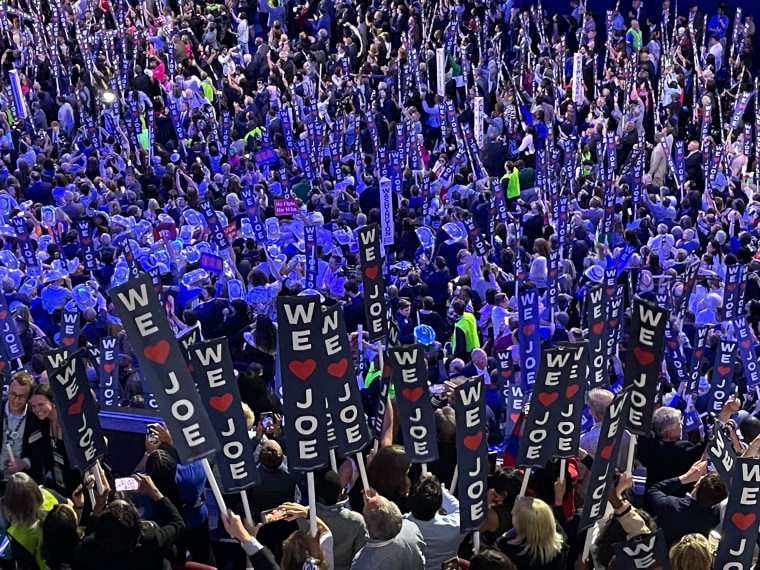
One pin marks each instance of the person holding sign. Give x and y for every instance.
(537, 541)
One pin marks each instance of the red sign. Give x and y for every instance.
(285, 207)
(165, 230)
(230, 230)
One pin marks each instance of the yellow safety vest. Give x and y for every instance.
(469, 326)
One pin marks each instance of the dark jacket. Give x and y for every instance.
(155, 544)
(33, 447)
(679, 516)
(667, 459)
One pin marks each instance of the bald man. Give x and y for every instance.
(482, 365)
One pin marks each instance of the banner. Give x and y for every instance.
(472, 454)
(410, 380)
(163, 364)
(70, 329)
(644, 552)
(26, 251)
(511, 390)
(722, 375)
(732, 302)
(695, 362)
(690, 275)
(370, 254)
(214, 375)
(597, 336)
(721, 452)
(312, 266)
(746, 341)
(11, 342)
(605, 460)
(674, 358)
(252, 209)
(679, 160)
(740, 107)
(382, 400)
(386, 211)
(577, 81)
(552, 426)
(77, 411)
(529, 336)
(109, 372)
(475, 236)
(215, 227)
(645, 348)
(344, 403)
(301, 354)
(740, 522)
(84, 229)
(552, 287)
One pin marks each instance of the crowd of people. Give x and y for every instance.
(126, 125)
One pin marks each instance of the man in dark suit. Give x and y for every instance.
(483, 365)
(22, 431)
(353, 310)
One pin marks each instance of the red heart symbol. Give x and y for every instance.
(212, 220)
(572, 390)
(221, 403)
(190, 368)
(548, 398)
(472, 442)
(68, 340)
(514, 417)
(474, 232)
(158, 352)
(606, 452)
(528, 329)
(86, 241)
(724, 370)
(506, 373)
(109, 367)
(3, 314)
(412, 394)
(643, 356)
(371, 272)
(598, 327)
(731, 286)
(386, 370)
(698, 354)
(746, 343)
(2, 364)
(743, 522)
(76, 407)
(303, 369)
(672, 344)
(613, 323)
(337, 369)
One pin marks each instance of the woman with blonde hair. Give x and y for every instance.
(536, 542)
(692, 552)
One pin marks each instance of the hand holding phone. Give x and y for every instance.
(126, 484)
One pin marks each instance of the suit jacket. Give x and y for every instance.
(354, 314)
(33, 447)
(469, 371)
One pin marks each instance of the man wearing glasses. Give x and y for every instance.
(22, 436)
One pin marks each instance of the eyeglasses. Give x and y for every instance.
(16, 396)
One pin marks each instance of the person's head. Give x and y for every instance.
(536, 530)
(328, 488)
(22, 502)
(445, 424)
(666, 423)
(388, 472)
(42, 402)
(504, 486)
(710, 490)
(479, 358)
(692, 552)
(491, 559)
(383, 518)
(60, 536)
(599, 400)
(300, 548)
(118, 529)
(19, 392)
(162, 468)
(271, 455)
(750, 428)
(425, 498)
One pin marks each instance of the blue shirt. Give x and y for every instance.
(191, 485)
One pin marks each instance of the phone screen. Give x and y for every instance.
(126, 484)
(272, 515)
(267, 420)
(451, 564)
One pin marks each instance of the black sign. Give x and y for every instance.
(302, 360)
(69, 333)
(722, 454)
(723, 372)
(644, 552)
(84, 229)
(597, 335)
(214, 375)
(372, 280)
(472, 454)
(162, 361)
(109, 372)
(10, 340)
(740, 522)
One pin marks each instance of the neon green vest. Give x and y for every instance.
(31, 537)
(469, 326)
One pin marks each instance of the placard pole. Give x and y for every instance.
(214, 487)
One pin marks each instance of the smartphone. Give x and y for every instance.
(450, 564)
(126, 484)
(492, 455)
(267, 420)
(151, 435)
(272, 515)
